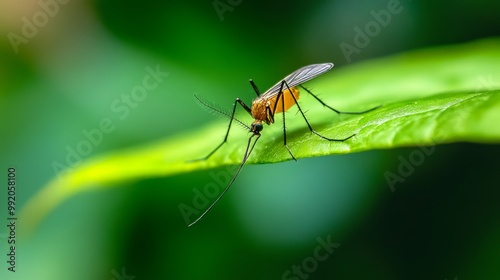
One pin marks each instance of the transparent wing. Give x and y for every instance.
(300, 76)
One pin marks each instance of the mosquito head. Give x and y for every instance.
(256, 127)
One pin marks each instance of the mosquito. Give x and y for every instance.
(278, 99)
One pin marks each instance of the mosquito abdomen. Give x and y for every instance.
(288, 98)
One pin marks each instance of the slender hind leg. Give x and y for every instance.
(337, 111)
(307, 122)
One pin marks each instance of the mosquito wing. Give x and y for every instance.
(300, 76)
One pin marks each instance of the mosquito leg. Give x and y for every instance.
(307, 122)
(238, 101)
(248, 152)
(249, 111)
(255, 88)
(269, 111)
(337, 111)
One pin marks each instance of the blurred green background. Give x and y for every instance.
(83, 59)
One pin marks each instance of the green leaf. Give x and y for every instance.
(440, 95)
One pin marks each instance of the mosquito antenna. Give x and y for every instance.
(217, 110)
(247, 154)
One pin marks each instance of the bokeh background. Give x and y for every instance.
(442, 222)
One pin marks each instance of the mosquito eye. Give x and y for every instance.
(257, 127)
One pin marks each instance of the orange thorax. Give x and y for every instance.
(259, 105)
